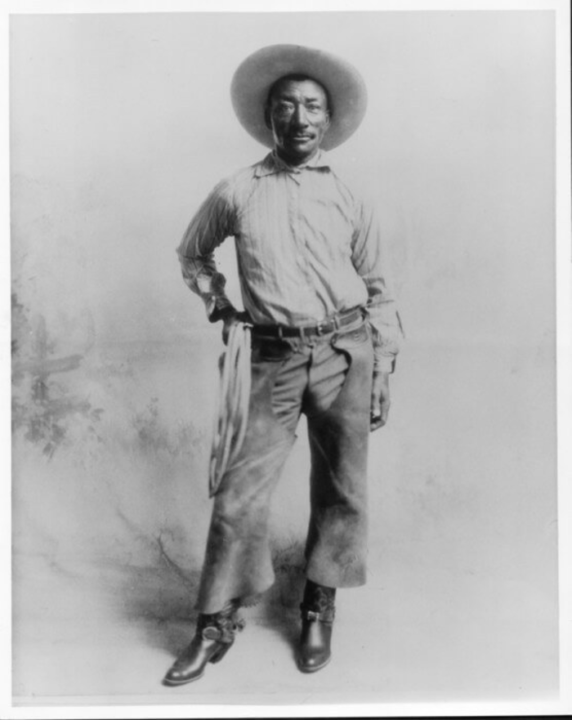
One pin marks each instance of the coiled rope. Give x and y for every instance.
(233, 401)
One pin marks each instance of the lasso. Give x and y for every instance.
(234, 394)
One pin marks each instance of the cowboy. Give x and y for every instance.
(325, 334)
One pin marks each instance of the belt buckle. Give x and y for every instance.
(320, 328)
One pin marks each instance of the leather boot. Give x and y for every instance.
(318, 613)
(213, 638)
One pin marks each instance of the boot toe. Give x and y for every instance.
(181, 673)
(178, 677)
(312, 663)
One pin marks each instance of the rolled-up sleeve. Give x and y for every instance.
(213, 222)
(371, 262)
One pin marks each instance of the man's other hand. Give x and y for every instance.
(380, 401)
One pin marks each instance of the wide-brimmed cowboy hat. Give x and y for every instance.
(256, 75)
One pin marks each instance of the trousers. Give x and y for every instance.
(328, 378)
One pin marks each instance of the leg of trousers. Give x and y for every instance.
(336, 546)
(238, 563)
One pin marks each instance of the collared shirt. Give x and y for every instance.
(307, 248)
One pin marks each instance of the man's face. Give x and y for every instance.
(298, 116)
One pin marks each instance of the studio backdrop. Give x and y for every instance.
(120, 126)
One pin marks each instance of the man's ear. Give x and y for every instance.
(267, 120)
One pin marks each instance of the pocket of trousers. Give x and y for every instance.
(352, 338)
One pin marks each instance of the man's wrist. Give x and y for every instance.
(384, 365)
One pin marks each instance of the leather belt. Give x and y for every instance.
(326, 326)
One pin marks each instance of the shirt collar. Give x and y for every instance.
(273, 164)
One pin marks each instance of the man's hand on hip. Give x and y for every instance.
(380, 401)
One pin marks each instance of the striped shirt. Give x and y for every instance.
(306, 247)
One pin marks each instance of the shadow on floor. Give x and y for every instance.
(160, 599)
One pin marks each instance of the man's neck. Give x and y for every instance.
(296, 162)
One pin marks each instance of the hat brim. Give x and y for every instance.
(256, 75)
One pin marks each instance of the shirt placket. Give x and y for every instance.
(300, 241)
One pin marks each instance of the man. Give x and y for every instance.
(324, 338)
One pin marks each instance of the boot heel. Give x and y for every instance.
(220, 653)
